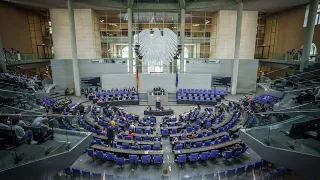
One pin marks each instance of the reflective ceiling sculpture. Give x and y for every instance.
(155, 47)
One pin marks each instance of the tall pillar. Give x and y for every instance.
(237, 50)
(130, 40)
(182, 28)
(75, 65)
(309, 34)
(3, 66)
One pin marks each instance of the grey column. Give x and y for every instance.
(75, 65)
(130, 40)
(237, 50)
(309, 34)
(182, 28)
(3, 66)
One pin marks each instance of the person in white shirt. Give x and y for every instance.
(20, 133)
(132, 126)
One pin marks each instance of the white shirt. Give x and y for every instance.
(132, 126)
(19, 131)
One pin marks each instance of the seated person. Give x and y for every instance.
(157, 136)
(157, 142)
(131, 134)
(184, 135)
(161, 108)
(20, 133)
(237, 147)
(44, 124)
(146, 138)
(132, 126)
(164, 124)
(176, 141)
(193, 134)
(162, 91)
(148, 122)
(104, 131)
(136, 144)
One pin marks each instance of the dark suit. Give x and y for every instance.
(110, 135)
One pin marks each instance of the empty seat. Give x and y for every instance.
(157, 159)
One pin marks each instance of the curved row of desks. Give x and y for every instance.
(188, 134)
(214, 136)
(126, 151)
(207, 148)
(104, 138)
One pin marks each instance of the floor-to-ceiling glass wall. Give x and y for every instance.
(199, 37)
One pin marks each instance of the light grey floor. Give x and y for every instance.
(85, 163)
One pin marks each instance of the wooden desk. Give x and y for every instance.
(188, 134)
(144, 127)
(203, 138)
(127, 151)
(141, 135)
(104, 138)
(151, 143)
(174, 127)
(207, 148)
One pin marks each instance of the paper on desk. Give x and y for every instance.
(146, 152)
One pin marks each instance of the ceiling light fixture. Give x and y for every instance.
(195, 24)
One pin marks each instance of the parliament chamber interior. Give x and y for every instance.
(159, 89)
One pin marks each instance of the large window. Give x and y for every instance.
(317, 21)
(200, 34)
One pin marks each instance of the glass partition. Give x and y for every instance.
(25, 138)
(294, 130)
(18, 99)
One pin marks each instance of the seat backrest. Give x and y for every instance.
(204, 155)
(125, 145)
(178, 147)
(90, 152)
(133, 158)
(214, 153)
(198, 144)
(182, 157)
(146, 147)
(194, 156)
(9, 136)
(99, 154)
(237, 154)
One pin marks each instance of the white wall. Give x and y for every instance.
(149, 81)
(120, 81)
(195, 81)
(89, 69)
(87, 35)
(226, 32)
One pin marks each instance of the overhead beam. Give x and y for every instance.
(156, 6)
(104, 3)
(182, 4)
(209, 4)
(130, 3)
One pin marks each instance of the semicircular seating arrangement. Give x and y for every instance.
(216, 138)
